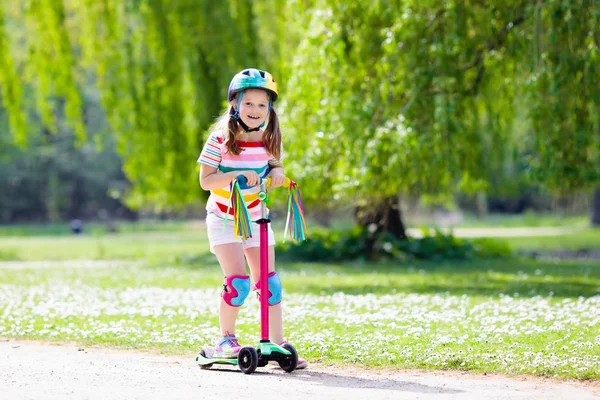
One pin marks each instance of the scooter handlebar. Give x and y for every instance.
(243, 182)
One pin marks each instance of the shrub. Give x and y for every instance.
(325, 245)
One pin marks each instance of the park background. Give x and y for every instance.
(448, 154)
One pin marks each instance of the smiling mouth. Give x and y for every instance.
(253, 117)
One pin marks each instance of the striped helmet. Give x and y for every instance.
(252, 78)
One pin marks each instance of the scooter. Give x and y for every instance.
(249, 358)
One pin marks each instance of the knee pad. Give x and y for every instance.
(275, 290)
(235, 289)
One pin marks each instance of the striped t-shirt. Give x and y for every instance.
(254, 156)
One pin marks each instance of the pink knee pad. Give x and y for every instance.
(275, 289)
(236, 289)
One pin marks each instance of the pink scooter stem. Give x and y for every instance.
(264, 254)
(264, 263)
(264, 286)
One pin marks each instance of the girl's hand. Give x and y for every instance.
(277, 178)
(252, 177)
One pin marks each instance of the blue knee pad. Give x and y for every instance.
(236, 289)
(275, 289)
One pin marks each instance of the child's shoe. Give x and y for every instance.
(302, 363)
(228, 347)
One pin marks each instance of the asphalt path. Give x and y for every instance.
(39, 370)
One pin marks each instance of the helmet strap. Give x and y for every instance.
(245, 127)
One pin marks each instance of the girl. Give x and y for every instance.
(236, 146)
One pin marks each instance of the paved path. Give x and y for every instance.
(31, 370)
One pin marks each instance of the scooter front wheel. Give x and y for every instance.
(289, 363)
(248, 359)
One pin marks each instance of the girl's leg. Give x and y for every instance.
(275, 319)
(231, 258)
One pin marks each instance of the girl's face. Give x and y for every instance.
(254, 107)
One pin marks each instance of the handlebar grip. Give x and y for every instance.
(243, 182)
(287, 182)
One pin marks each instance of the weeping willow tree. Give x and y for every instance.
(419, 97)
(160, 67)
(378, 97)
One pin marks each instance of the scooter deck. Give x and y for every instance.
(269, 351)
(206, 357)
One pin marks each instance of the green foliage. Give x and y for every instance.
(438, 246)
(423, 97)
(51, 67)
(326, 245)
(161, 68)
(11, 85)
(397, 103)
(53, 179)
(378, 97)
(564, 94)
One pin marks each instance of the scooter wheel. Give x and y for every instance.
(205, 366)
(248, 359)
(290, 362)
(262, 361)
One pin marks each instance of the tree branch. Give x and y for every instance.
(491, 45)
(437, 15)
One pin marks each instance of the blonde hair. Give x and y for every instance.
(227, 128)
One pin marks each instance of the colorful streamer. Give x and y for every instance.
(241, 216)
(295, 223)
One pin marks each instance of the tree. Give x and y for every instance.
(162, 69)
(53, 179)
(379, 97)
(418, 97)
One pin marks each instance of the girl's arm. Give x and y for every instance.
(211, 178)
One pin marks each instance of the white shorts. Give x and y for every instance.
(217, 236)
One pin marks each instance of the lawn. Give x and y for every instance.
(531, 219)
(160, 289)
(577, 239)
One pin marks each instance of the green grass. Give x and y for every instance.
(470, 220)
(91, 228)
(514, 316)
(147, 246)
(578, 239)
(159, 290)
(532, 219)
(178, 242)
(172, 242)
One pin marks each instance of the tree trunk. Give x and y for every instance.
(481, 204)
(595, 211)
(385, 216)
